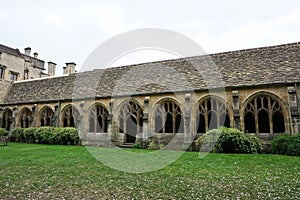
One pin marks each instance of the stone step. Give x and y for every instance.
(126, 145)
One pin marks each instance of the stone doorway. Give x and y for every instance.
(131, 129)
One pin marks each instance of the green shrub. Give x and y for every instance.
(29, 135)
(286, 144)
(65, 136)
(229, 140)
(46, 135)
(137, 145)
(43, 135)
(17, 135)
(3, 132)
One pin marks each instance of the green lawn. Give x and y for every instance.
(32, 171)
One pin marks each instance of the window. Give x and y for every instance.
(98, 119)
(212, 113)
(1, 72)
(263, 114)
(293, 99)
(168, 117)
(7, 119)
(25, 118)
(70, 115)
(13, 76)
(26, 74)
(46, 117)
(130, 120)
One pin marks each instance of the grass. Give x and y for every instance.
(32, 171)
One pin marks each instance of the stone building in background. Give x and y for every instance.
(15, 66)
(254, 90)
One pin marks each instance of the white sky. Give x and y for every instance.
(68, 31)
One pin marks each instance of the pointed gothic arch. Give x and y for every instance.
(7, 118)
(130, 120)
(46, 115)
(25, 117)
(98, 118)
(264, 112)
(69, 115)
(211, 112)
(168, 117)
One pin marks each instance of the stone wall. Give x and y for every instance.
(246, 75)
(18, 63)
(188, 108)
(5, 86)
(13, 64)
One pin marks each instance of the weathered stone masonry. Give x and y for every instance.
(181, 98)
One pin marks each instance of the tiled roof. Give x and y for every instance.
(9, 50)
(251, 67)
(16, 52)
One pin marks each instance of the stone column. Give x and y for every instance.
(294, 109)
(236, 109)
(295, 124)
(13, 120)
(56, 117)
(146, 131)
(1, 117)
(79, 122)
(187, 120)
(34, 116)
(110, 130)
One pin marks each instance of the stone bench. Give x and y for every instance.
(4, 140)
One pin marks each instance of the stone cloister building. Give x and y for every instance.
(254, 90)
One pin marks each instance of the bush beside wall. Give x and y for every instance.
(286, 145)
(3, 132)
(46, 135)
(229, 140)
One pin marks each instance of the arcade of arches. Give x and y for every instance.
(261, 113)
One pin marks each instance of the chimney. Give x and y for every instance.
(35, 55)
(27, 51)
(69, 68)
(51, 68)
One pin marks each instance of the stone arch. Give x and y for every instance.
(97, 118)
(130, 119)
(210, 112)
(25, 117)
(167, 116)
(46, 115)
(7, 118)
(69, 116)
(266, 111)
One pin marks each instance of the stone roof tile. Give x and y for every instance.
(251, 67)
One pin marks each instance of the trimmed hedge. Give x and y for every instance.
(3, 132)
(17, 135)
(46, 135)
(286, 145)
(65, 136)
(229, 140)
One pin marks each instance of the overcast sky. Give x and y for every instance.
(68, 31)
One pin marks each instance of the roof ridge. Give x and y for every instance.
(207, 55)
(257, 48)
(17, 51)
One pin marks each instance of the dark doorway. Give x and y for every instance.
(249, 123)
(212, 121)
(131, 129)
(200, 123)
(278, 123)
(263, 122)
(169, 123)
(158, 124)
